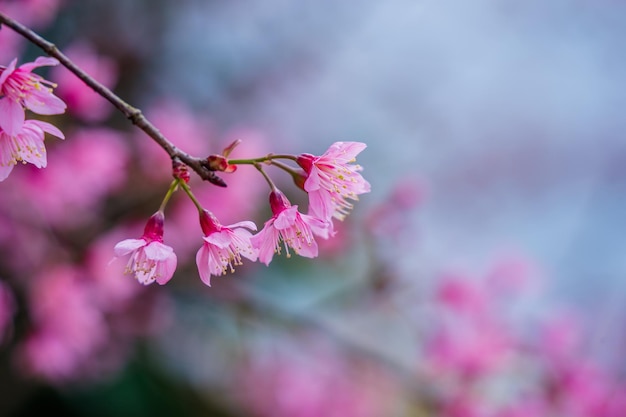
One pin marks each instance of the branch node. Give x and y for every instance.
(134, 115)
(51, 49)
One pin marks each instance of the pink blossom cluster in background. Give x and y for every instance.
(482, 360)
(314, 381)
(482, 350)
(82, 102)
(34, 13)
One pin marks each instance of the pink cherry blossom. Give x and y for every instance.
(26, 146)
(21, 88)
(223, 246)
(150, 259)
(295, 229)
(332, 179)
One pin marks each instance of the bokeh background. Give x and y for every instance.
(484, 275)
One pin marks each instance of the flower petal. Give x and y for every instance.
(286, 218)
(44, 103)
(221, 239)
(127, 246)
(48, 128)
(247, 224)
(158, 251)
(202, 262)
(39, 62)
(11, 116)
(165, 269)
(265, 242)
(7, 71)
(5, 170)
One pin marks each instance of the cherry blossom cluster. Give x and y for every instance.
(331, 182)
(21, 139)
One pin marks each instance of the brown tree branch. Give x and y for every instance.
(199, 165)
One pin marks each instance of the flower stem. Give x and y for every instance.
(267, 178)
(265, 158)
(133, 114)
(170, 191)
(193, 198)
(286, 168)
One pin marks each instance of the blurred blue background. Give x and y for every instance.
(510, 112)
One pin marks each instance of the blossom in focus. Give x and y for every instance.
(21, 88)
(150, 259)
(223, 246)
(26, 146)
(333, 179)
(296, 230)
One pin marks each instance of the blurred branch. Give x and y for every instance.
(262, 305)
(133, 114)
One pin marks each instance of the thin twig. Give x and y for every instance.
(133, 114)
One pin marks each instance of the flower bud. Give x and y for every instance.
(227, 150)
(209, 223)
(278, 202)
(180, 171)
(219, 163)
(154, 227)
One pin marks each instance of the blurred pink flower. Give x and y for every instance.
(342, 240)
(461, 294)
(560, 338)
(585, 390)
(512, 274)
(468, 350)
(223, 246)
(21, 88)
(150, 259)
(315, 381)
(12, 44)
(180, 125)
(332, 179)
(471, 337)
(114, 292)
(393, 217)
(292, 227)
(26, 146)
(33, 13)
(525, 407)
(464, 406)
(98, 155)
(68, 327)
(81, 100)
